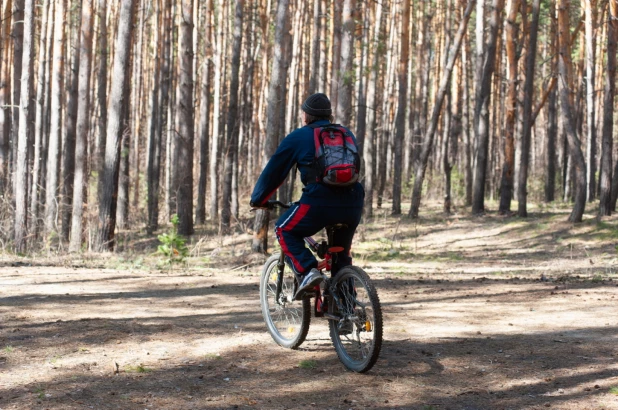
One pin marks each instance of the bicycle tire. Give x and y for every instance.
(359, 350)
(288, 321)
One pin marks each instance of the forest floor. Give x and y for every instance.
(479, 313)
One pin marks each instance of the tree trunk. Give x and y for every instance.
(315, 49)
(273, 114)
(68, 155)
(102, 96)
(40, 113)
(369, 145)
(53, 150)
(564, 80)
(21, 171)
(185, 113)
(481, 112)
(118, 100)
(5, 93)
(346, 69)
(429, 135)
(233, 122)
(552, 123)
(17, 35)
(154, 137)
(522, 194)
(608, 192)
(591, 137)
(506, 186)
(204, 121)
(83, 113)
(214, 146)
(400, 121)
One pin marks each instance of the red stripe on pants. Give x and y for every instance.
(289, 225)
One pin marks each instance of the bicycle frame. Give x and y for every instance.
(326, 253)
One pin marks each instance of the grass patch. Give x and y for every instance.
(212, 356)
(138, 369)
(9, 349)
(614, 390)
(308, 364)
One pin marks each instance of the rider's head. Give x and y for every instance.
(317, 107)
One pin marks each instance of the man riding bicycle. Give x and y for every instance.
(322, 203)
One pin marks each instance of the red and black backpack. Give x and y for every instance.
(336, 162)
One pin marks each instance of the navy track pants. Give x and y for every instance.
(303, 220)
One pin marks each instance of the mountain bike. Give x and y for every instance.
(349, 301)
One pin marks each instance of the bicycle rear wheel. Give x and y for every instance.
(287, 319)
(357, 335)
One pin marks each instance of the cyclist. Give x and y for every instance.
(320, 204)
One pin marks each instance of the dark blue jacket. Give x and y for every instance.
(298, 149)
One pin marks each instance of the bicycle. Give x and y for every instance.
(349, 301)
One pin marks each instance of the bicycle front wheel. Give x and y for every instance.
(287, 319)
(357, 335)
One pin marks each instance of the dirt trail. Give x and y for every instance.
(486, 314)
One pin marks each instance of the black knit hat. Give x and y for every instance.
(317, 105)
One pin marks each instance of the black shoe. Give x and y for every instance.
(309, 281)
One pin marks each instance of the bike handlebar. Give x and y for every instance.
(272, 204)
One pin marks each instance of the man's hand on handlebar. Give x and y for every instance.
(270, 205)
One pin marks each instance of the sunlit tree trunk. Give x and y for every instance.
(481, 115)
(83, 113)
(53, 151)
(118, 101)
(369, 148)
(204, 119)
(233, 122)
(21, 171)
(522, 195)
(68, 147)
(564, 80)
(591, 137)
(400, 121)
(5, 92)
(185, 112)
(609, 192)
(506, 186)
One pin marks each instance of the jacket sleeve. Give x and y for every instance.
(275, 172)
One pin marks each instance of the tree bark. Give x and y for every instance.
(68, 147)
(53, 150)
(21, 171)
(204, 120)
(346, 70)
(522, 194)
(564, 80)
(214, 146)
(400, 121)
(102, 96)
(5, 93)
(429, 135)
(608, 192)
(185, 113)
(40, 113)
(506, 186)
(369, 145)
(591, 137)
(233, 123)
(83, 113)
(273, 114)
(118, 100)
(481, 113)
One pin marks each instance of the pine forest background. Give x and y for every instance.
(119, 114)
